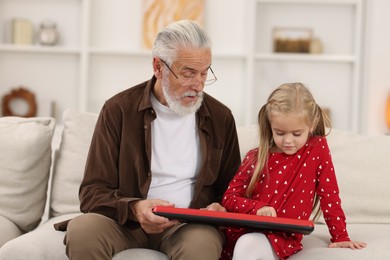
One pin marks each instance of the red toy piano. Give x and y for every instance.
(231, 219)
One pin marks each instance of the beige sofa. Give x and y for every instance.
(36, 193)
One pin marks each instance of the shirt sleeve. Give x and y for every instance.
(99, 190)
(328, 192)
(230, 159)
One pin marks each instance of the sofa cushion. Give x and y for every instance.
(70, 161)
(8, 230)
(35, 245)
(140, 253)
(42, 243)
(25, 159)
(363, 173)
(315, 245)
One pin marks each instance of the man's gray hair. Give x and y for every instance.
(178, 35)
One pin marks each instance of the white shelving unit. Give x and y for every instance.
(333, 76)
(100, 53)
(52, 73)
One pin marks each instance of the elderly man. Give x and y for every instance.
(162, 142)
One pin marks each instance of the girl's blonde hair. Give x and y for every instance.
(287, 98)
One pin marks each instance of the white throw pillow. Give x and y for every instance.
(70, 161)
(25, 159)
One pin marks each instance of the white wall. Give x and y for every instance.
(376, 67)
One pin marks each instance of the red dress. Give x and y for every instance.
(290, 188)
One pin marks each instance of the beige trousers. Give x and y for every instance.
(94, 236)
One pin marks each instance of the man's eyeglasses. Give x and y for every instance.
(188, 77)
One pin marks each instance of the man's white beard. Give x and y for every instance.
(174, 102)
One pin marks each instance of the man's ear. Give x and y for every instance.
(157, 68)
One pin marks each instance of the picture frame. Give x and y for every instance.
(292, 39)
(157, 14)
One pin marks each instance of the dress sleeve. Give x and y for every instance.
(234, 199)
(328, 192)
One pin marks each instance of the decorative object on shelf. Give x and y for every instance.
(288, 39)
(157, 14)
(388, 114)
(48, 33)
(316, 46)
(19, 99)
(21, 31)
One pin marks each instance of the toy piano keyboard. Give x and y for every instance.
(231, 219)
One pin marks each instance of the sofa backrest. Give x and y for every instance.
(69, 162)
(363, 173)
(247, 138)
(361, 165)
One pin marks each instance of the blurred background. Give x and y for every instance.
(78, 53)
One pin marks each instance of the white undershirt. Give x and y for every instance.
(176, 156)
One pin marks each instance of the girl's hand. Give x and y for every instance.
(266, 211)
(348, 244)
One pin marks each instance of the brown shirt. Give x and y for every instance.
(118, 165)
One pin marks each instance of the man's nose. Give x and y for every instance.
(197, 85)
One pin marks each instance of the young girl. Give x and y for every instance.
(291, 167)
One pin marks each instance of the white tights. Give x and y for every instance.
(254, 246)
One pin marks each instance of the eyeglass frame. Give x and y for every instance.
(204, 82)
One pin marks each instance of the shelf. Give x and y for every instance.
(308, 2)
(148, 53)
(120, 51)
(100, 53)
(38, 49)
(306, 57)
(335, 70)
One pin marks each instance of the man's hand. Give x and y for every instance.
(150, 222)
(266, 211)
